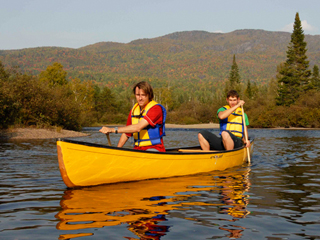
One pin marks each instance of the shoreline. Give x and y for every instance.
(42, 133)
(37, 133)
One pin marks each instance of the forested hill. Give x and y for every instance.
(181, 57)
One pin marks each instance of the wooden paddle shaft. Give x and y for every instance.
(245, 133)
(108, 139)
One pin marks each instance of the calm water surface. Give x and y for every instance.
(276, 197)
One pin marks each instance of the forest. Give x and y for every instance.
(189, 71)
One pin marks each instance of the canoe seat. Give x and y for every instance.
(195, 150)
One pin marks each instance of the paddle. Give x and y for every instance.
(107, 134)
(245, 134)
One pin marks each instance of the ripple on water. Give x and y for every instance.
(277, 197)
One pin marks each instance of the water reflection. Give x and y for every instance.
(145, 205)
(236, 201)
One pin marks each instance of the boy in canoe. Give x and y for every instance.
(146, 121)
(231, 127)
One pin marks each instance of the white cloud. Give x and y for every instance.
(305, 26)
(218, 31)
(287, 28)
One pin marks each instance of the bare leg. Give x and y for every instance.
(203, 142)
(227, 141)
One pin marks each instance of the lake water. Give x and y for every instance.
(276, 197)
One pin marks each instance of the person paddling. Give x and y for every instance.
(232, 130)
(146, 121)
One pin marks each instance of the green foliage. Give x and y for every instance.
(64, 111)
(25, 100)
(164, 96)
(271, 91)
(84, 93)
(293, 75)
(288, 86)
(4, 75)
(251, 91)
(194, 112)
(104, 104)
(8, 107)
(54, 75)
(30, 101)
(315, 79)
(114, 118)
(234, 78)
(303, 113)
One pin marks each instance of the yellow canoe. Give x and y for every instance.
(88, 164)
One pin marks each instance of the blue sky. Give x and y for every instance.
(77, 23)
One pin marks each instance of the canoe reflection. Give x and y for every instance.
(144, 205)
(233, 195)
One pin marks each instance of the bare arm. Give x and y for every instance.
(126, 129)
(123, 139)
(226, 113)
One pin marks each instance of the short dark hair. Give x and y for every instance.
(146, 87)
(233, 93)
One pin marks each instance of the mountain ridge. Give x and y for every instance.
(178, 57)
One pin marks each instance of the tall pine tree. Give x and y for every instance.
(248, 92)
(234, 77)
(293, 75)
(315, 79)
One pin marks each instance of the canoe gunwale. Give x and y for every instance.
(168, 151)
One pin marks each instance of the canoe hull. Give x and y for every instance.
(83, 164)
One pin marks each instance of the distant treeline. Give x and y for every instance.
(50, 100)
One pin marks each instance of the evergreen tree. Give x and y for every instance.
(272, 91)
(293, 75)
(252, 90)
(315, 80)
(234, 77)
(248, 92)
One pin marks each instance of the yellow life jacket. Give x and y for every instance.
(233, 123)
(149, 135)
